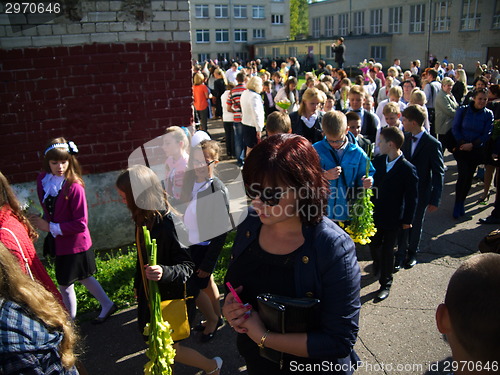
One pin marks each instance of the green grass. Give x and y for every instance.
(115, 272)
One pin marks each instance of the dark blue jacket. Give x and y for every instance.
(472, 126)
(327, 269)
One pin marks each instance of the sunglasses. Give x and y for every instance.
(269, 196)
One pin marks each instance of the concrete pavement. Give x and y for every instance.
(397, 336)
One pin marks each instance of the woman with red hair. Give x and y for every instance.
(287, 247)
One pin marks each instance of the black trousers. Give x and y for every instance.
(467, 162)
(382, 251)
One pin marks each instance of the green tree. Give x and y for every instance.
(299, 18)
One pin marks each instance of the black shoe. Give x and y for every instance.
(382, 294)
(410, 263)
(397, 267)
(490, 220)
(111, 311)
(208, 337)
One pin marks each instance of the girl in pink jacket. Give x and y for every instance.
(62, 195)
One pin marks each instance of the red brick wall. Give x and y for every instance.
(108, 98)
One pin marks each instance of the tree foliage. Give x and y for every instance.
(299, 18)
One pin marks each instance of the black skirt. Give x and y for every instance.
(74, 267)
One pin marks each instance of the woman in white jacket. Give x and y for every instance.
(252, 113)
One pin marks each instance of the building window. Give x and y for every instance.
(496, 16)
(276, 52)
(376, 21)
(240, 11)
(395, 20)
(277, 19)
(202, 57)
(441, 18)
(261, 52)
(292, 51)
(221, 35)
(329, 26)
(316, 25)
(417, 18)
(222, 55)
(378, 52)
(258, 11)
(240, 35)
(201, 11)
(359, 23)
(242, 55)
(259, 33)
(343, 24)
(328, 52)
(471, 18)
(203, 36)
(221, 11)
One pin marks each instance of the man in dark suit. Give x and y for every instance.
(338, 48)
(395, 199)
(425, 153)
(268, 99)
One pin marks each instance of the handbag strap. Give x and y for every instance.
(141, 262)
(26, 264)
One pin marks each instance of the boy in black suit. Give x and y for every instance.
(425, 153)
(395, 199)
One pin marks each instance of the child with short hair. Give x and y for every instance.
(278, 123)
(344, 163)
(395, 181)
(354, 126)
(395, 94)
(392, 116)
(469, 315)
(369, 121)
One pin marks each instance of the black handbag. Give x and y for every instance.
(286, 315)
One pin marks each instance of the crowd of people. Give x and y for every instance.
(305, 153)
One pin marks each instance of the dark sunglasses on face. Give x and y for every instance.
(268, 196)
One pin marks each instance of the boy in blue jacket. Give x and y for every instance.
(395, 199)
(344, 163)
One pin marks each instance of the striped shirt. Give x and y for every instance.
(234, 101)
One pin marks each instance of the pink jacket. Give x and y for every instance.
(72, 215)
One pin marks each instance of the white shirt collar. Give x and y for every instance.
(52, 184)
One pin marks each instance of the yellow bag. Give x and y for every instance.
(174, 311)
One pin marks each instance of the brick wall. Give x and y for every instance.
(106, 89)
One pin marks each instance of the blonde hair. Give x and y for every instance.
(418, 97)
(334, 123)
(357, 90)
(222, 74)
(255, 84)
(391, 108)
(198, 79)
(311, 94)
(447, 81)
(17, 287)
(396, 91)
(179, 135)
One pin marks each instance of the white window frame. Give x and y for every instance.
(201, 11)
(259, 33)
(376, 21)
(378, 52)
(329, 26)
(316, 27)
(343, 24)
(441, 16)
(261, 52)
(292, 51)
(395, 20)
(471, 17)
(222, 35)
(276, 52)
(203, 57)
(328, 52)
(202, 36)
(359, 23)
(240, 11)
(258, 12)
(221, 11)
(496, 16)
(417, 19)
(277, 19)
(240, 35)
